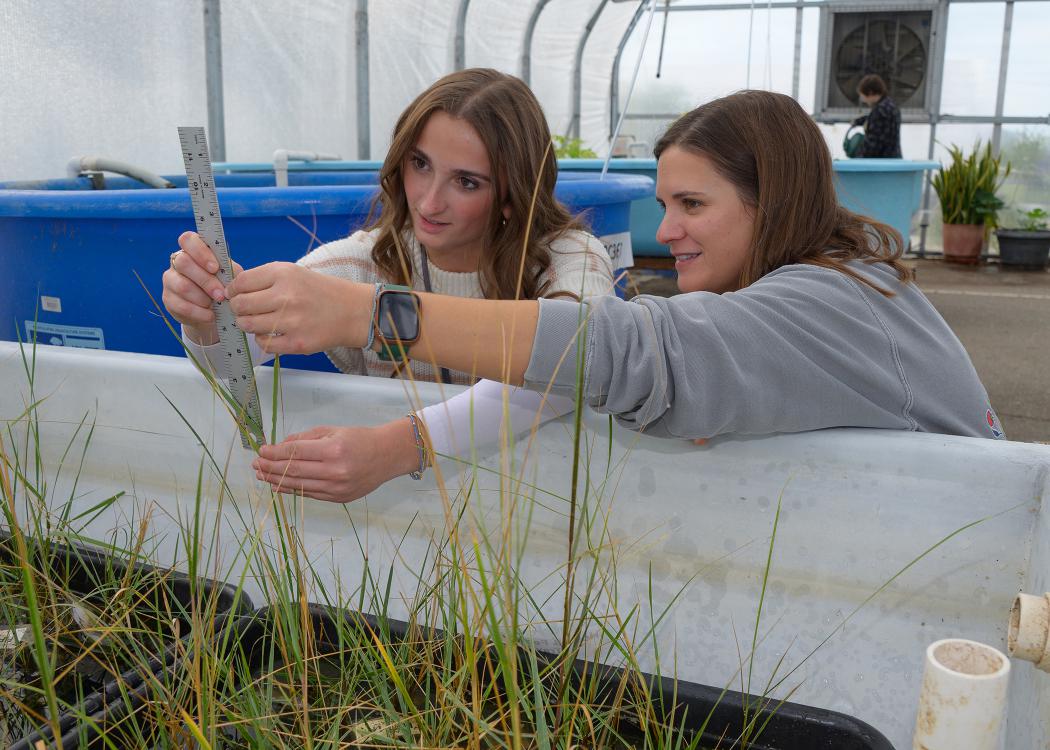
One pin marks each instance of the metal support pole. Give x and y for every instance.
(935, 104)
(526, 49)
(364, 113)
(614, 79)
(460, 60)
(797, 66)
(1004, 59)
(577, 72)
(213, 79)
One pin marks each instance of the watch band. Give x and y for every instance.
(391, 348)
(372, 317)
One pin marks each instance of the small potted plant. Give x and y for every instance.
(571, 148)
(1026, 247)
(967, 190)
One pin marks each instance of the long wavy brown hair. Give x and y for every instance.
(775, 156)
(508, 118)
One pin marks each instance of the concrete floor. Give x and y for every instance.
(1003, 320)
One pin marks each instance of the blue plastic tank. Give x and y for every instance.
(72, 257)
(885, 189)
(645, 213)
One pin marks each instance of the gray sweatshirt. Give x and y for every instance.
(803, 348)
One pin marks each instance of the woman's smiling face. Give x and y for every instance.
(448, 185)
(707, 227)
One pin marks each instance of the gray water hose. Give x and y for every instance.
(80, 164)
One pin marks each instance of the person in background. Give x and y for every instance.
(796, 314)
(882, 126)
(466, 208)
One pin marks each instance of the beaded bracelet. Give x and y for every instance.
(418, 473)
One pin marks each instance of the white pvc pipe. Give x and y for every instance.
(1029, 634)
(963, 697)
(282, 156)
(80, 164)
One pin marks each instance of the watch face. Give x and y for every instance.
(398, 316)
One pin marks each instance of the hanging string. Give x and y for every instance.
(630, 90)
(663, 38)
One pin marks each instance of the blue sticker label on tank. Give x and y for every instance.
(57, 335)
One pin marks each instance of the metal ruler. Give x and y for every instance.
(237, 361)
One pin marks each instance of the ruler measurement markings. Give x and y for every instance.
(205, 201)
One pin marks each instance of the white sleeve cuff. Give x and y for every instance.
(475, 420)
(211, 354)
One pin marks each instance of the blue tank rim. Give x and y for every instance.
(839, 165)
(577, 189)
(617, 165)
(347, 165)
(883, 165)
(298, 166)
(585, 187)
(175, 202)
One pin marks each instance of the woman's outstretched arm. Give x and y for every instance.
(312, 312)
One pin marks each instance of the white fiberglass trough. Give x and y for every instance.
(857, 506)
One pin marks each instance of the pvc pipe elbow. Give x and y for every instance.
(73, 168)
(1028, 637)
(79, 164)
(282, 156)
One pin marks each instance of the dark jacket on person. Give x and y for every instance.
(882, 131)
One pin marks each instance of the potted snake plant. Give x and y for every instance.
(1026, 247)
(967, 189)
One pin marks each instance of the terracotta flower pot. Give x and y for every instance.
(962, 243)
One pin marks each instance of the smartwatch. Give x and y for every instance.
(396, 321)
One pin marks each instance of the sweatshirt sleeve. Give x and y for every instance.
(794, 351)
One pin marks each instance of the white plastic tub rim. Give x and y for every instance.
(856, 507)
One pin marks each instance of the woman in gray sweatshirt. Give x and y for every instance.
(795, 313)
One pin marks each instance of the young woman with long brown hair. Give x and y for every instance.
(466, 207)
(796, 313)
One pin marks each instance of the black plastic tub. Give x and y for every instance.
(716, 714)
(1024, 250)
(85, 571)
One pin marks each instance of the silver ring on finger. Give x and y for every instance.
(171, 260)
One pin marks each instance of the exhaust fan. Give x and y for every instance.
(897, 41)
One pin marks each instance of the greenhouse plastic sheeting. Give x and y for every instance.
(116, 77)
